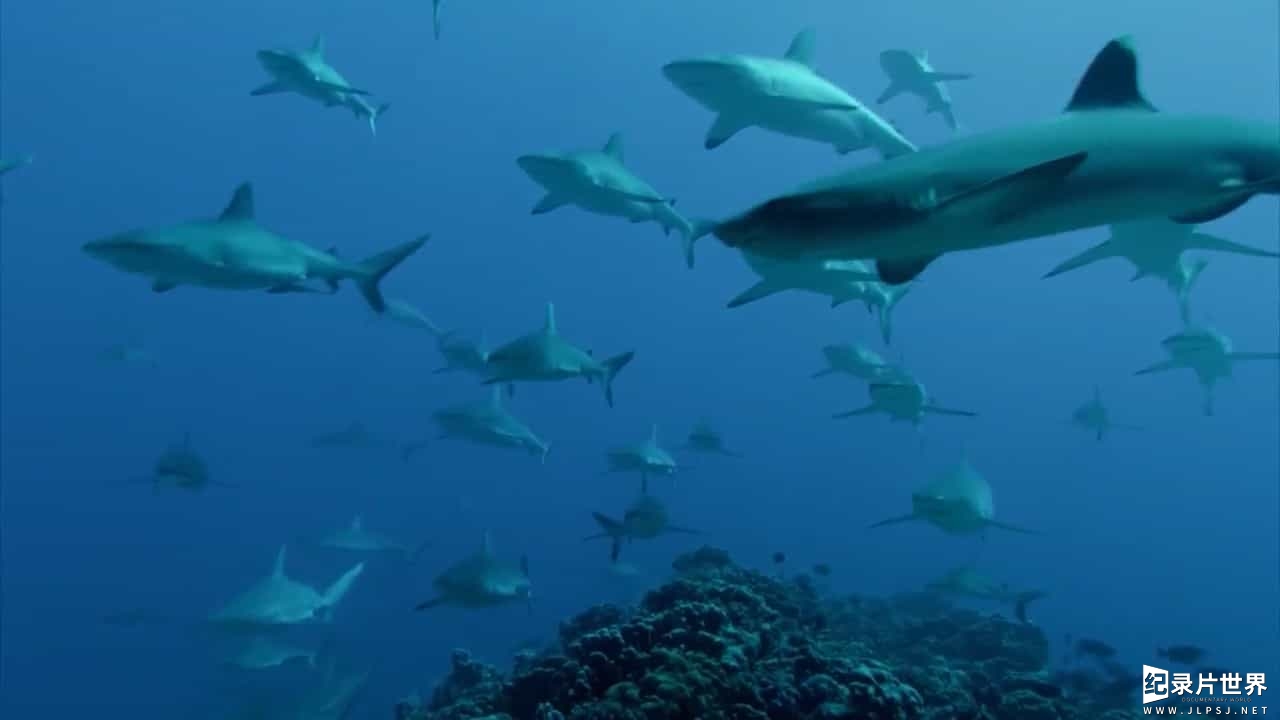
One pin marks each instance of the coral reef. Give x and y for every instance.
(723, 643)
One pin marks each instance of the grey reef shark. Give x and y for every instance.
(1110, 158)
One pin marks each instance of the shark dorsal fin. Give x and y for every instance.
(802, 47)
(357, 523)
(486, 544)
(549, 324)
(241, 205)
(1111, 82)
(277, 570)
(614, 147)
(317, 46)
(495, 396)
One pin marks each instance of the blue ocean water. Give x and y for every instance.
(138, 114)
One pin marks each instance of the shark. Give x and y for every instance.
(364, 110)
(968, 582)
(855, 360)
(878, 297)
(1206, 352)
(490, 423)
(355, 537)
(903, 398)
(1155, 247)
(644, 519)
(1094, 417)
(704, 439)
(1110, 157)
(182, 467)
(647, 458)
(912, 73)
(278, 599)
(464, 354)
(957, 502)
(407, 314)
(821, 277)
(309, 74)
(599, 182)
(262, 652)
(481, 580)
(545, 356)
(785, 95)
(234, 252)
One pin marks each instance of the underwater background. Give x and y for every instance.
(138, 113)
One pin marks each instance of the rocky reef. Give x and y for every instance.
(720, 642)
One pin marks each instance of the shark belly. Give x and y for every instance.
(839, 128)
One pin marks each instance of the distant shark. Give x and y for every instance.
(1094, 417)
(490, 423)
(647, 458)
(877, 297)
(822, 277)
(1109, 158)
(958, 502)
(234, 252)
(545, 356)
(181, 467)
(1206, 352)
(307, 73)
(280, 600)
(967, 582)
(357, 538)
(480, 581)
(704, 439)
(597, 181)
(1155, 247)
(645, 519)
(912, 73)
(262, 652)
(903, 398)
(785, 95)
(855, 360)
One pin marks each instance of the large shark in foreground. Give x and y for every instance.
(1206, 352)
(1111, 157)
(597, 181)
(645, 519)
(280, 600)
(957, 502)
(481, 580)
(911, 72)
(234, 252)
(1155, 247)
(307, 73)
(545, 356)
(785, 95)
(490, 423)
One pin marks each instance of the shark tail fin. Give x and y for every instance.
(697, 229)
(612, 367)
(435, 18)
(885, 312)
(335, 592)
(370, 272)
(1184, 292)
(374, 115)
(893, 521)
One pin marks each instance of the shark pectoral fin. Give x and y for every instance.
(935, 76)
(890, 93)
(759, 291)
(851, 413)
(1011, 528)
(935, 410)
(1207, 241)
(723, 128)
(1157, 367)
(898, 272)
(275, 86)
(893, 521)
(1004, 199)
(163, 286)
(1098, 252)
(1212, 212)
(548, 203)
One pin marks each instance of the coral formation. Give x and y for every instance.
(723, 643)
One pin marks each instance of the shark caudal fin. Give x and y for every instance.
(374, 115)
(368, 274)
(884, 313)
(612, 367)
(697, 229)
(335, 592)
(435, 18)
(1184, 291)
